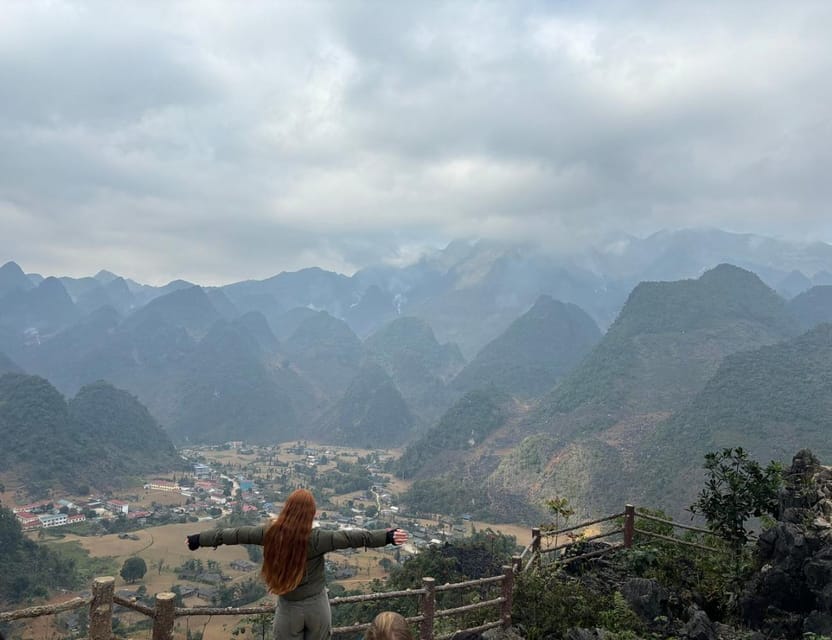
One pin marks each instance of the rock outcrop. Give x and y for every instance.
(792, 592)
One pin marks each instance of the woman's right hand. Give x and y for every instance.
(399, 536)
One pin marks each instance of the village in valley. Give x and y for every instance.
(234, 484)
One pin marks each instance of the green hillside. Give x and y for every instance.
(100, 439)
(768, 401)
(669, 339)
(226, 391)
(813, 306)
(371, 413)
(30, 570)
(464, 426)
(536, 350)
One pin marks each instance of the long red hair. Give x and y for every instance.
(285, 543)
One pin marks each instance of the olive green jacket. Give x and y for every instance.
(320, 542)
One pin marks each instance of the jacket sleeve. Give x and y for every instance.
(327, 541)
(238, 535)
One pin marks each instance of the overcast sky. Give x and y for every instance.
(231, 140)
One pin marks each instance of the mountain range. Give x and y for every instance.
(512, 373)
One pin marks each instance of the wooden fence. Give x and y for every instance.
(535, 552)
(165, 611)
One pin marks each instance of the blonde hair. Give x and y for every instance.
(389, 625)
(285, 543)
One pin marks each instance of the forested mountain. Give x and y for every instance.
(327, 351)
(408, 351)
(535, 351)
(228, 389)
(813, 306)
(103, 438)
(188, 308)
(371, 413)
(765, 400)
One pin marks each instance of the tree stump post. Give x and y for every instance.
(536, 545)
(629, 525)
(428, 609)
(508, 589)
(164, 615)
(517, 563)
(101, 608)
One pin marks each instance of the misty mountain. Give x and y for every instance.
(793, 284)
(189, 308)
(813, 306)
(327, 351)
(226, 390)
(33, 314)
(12, 278)
(103, 438)
(7, 365)
(371, 413)
(536, 350)
(765, 400)
(420, 367)
(668, 341)
(286, 323)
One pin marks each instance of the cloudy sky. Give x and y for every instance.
(216, 141)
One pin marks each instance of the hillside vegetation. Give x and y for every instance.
(764, 400)
(536, 350)
(102, 438)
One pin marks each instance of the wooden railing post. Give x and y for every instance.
(428, 609)
(536, 545)
(163, 616)
(101, 608)
(508, 589)
(629, 525)
(517, 563)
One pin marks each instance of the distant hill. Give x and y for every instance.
(12, 278)
(813, 306)
(38, 311)
(189, 308)
(103, 438)
(227, 391)
(371, 413)
(408, 351)
(327, 351)
(536, 350)
(765, 400)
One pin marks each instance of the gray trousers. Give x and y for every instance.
(307, 619)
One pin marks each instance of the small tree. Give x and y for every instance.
(559, 508)
(736, 488)
(133, 569)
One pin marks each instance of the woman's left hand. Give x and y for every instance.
(399, 536)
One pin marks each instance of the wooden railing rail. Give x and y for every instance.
(44, 610)
(534, 551)
(557, 532)
(165, 612)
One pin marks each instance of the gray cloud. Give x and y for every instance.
(215, 142)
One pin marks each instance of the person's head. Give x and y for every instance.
(285, 541)
(389, 625)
